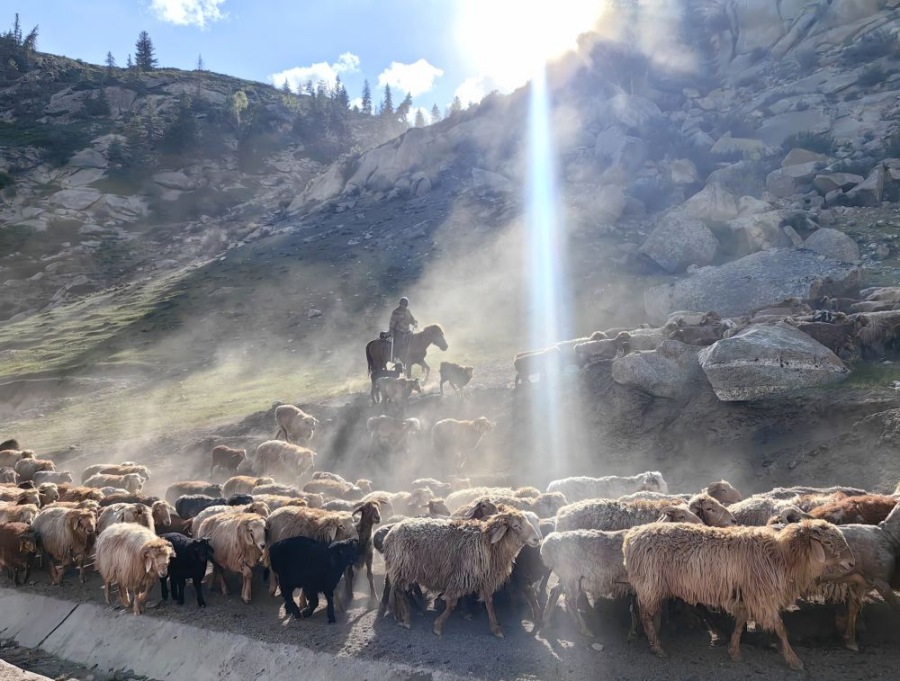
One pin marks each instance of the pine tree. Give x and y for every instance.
(435, 114)
(17, 31)
(455, 106)
(286, 88)
(341, 98)
(420, 119)
(144, 56)
(200, 65)
(387, 104)
(403, 110)
(110, 63)
(129, 64)
(366, 99)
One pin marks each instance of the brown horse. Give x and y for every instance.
(378, 351)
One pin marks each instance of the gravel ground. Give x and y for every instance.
(557, 652)
(38, 662)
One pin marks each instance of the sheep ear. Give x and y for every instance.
(497, 532)
(332, 533)
(148, 562)
(818, 552)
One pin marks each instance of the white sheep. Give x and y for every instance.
(608, 487)
(133, 557)
(294, 424)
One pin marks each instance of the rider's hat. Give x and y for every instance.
(404, 301)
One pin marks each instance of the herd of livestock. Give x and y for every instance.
(606, 537)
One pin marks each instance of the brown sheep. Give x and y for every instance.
(390, 433)
(243, 484)
(10, 457)
(710, 511)
(396, 390)
(18, 548)
(65, 536)
(226, 459)
(451, 436)
(115, 469)
(876, 331)
(839, 338)
(238, 541)
(283, 459)
(20, 496)
(131, 482)
(17, 513)
(11, 444)
(538, 362)
(294, 424)
(76, 493)
(9, 475)
(752, 573)
(867, 510)
(134, 558)
(127, 498)
(458, 376)
(185, 487)
(26, 468)
(48, 493)
(723, 492)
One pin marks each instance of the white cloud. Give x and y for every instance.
(472, 90)
(298, 76)
(415, 78)
(187, 12)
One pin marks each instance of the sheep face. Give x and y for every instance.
(348, 528)
(484, 508)
(28, 543)
(483, 425)
(162, 513)
(255, 534)
(678, 514)
(724, 492)
(133, 483)
(85, 522)
(712, 513)
(201, 550)
(156, 559)
(828, 544)
(519, 525)
(653, 482)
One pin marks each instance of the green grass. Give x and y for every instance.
(873, 376)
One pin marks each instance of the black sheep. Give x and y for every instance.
(189, 562)
(189, 505)
(302, 563)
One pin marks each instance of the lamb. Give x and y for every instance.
(125, 513)
(369, 516)
(435, 486)
(303, 563)
(18, 548)
(458, 376)
(161, 512)
(396, 372)
(65, 536)
(456, 558)
(238, 541)
(189, 562)
(598, 350)
(452, 436)
(131, 482)
(539, 362)
(277, 458)
(589, 560)
(188, 487)
(17, 513)
(8, 474)
(396, 390)
(698, 335)
(190, 505)
(56, 477)
(115, 469)
(406, 503)
(133, 557)
(644, 340)
(612, 514)
(752, 573)
(243, 484)
(10, 457)
(226, 459)
(26, 468)
(865, 510)
(723, 492)
(710, 511)
(839, 338)
(543, 506)
(69, 493)
(294, 424)
(609, 487)
(390, 433)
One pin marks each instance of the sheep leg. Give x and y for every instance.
(329, 606)
(789, 655)
(273, 584)
(349, 577)
(106, 587)
(223, 587)
(124, 597)
(496, 629)
(649, 612)
(385, 596)
(535, 608)
(247, 574)
(139, 600)
(198, 589)
(373, 598)
(451, 603)
(734, 645)
(635, 618)
(573, 589)
(312, 604)
(854, 605)
(164, 588)
(551, 602)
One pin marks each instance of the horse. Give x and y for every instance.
(378, 351)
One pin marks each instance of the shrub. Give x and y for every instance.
(892, 146)
(872, 76)
(852, 167)
(807, 60)
(819, 143)
(872, 46)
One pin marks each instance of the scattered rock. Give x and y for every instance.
(776, 129)
(759, 232)
(88, 158)
(768, 360)
(869, 192)
(797, 156)
(680, 240)
(833, 244)
(795, 179)
(313, 313)
(682, 172)
(829, 182)
(714, 203)
(75, 199)
(671, 371)
(174, 180)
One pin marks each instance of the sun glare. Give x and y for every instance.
(507, 41)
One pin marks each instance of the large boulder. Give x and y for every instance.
(795, 179)
(759, 232)
(768, 360)
(776, 129)
(680, 240)
(829, 182)
(833, 243)
(75, 199)
(174, 179)
(868, 193)
(713, 203)
(88, 158)
(672, 370)
(751, 282)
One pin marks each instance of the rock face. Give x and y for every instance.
(768, 360)
(680, 240)
(759, 279)
(714, 203)
(833, 243)
(672, 370)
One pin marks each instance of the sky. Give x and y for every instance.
(432, 49)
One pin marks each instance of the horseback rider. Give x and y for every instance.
(401, 321)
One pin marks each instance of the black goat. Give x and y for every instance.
(190, 505)
(189, 562)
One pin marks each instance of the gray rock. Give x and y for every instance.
(776, 129)
(869, 192)
(75, 199)
(713, 203)
(751, 282)
(795, 179)
(88, 158)
(489, 181)
(750, 148)
(797, 156)
(750, 205)
(768, 360)
(174, 179)
(833, 243)
(743, 178)
(633, 111)
(682, 171)
(672, 370)
(828, 182)
(760, 232)
(680, 240)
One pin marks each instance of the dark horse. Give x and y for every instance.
(378, 351)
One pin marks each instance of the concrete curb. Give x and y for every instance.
(10, 672)
(89, 634)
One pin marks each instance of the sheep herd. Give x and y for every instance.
(598, 537)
